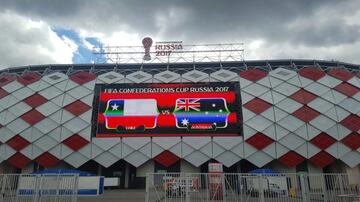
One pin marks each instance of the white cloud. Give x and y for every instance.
(25, 42)
(253, 49)
(284, 29)
(119, 38)
(261, 49)
(168, 21)
(353, 19)
(64, 48)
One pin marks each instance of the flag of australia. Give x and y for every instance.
(201, 113)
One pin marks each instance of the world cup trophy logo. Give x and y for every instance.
(147, 43)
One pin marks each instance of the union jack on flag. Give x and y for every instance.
(201, 113)
(187, 104)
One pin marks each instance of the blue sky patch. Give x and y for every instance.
(83, 53)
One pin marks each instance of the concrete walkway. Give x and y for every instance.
(118, 195)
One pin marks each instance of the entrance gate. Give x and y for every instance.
(251, 187)
(38, 187)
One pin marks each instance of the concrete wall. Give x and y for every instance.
(313, 168)
(186, 167)
(354, 177)
(147, 167)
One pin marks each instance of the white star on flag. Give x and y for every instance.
(185, 122)
(114, 107)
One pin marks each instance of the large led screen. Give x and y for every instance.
(202, 109)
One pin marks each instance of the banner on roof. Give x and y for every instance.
(201, 109)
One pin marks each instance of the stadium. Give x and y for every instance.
(285, 115)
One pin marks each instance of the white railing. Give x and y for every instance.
(188, 53)
(38, 187)
(251, 187)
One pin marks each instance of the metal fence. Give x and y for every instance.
(252, 187)
(36, 188)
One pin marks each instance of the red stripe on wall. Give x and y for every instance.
(168, 99)
(162, 135)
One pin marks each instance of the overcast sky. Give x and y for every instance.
(64, 31)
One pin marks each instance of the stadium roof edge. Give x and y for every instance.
(133, 66)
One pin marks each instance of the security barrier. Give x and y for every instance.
(38, 187)
(252, 187)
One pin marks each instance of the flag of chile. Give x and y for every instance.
(131, 114)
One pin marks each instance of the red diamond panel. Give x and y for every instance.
(32, 117)
(257, 105)
(253, 74)
(341, 74)
(3, 93)
(75, 142)
(323, 141)
(166, 158)
(19, 160)
(82, 77)
(312, 73)
(352, 141)
(291, 159)
(352, 122)
(35, 100)
(6, 79)
(347, 89)
(18, 143)
(259, 141)
(306, 114)
(303, 96)
(47, 160)
(28, 78)
(322, 159)
(77, 107)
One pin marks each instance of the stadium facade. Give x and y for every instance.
(292, 116)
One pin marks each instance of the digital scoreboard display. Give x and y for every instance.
(143, 110)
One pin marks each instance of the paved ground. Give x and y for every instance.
(119, 195)
(138, 195)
